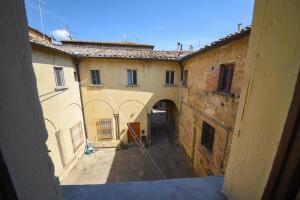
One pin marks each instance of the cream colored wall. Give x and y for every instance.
(271, 72)
(132, 103)
(61, 109)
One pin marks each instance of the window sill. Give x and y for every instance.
(99, 85)
(170, 85)
(61, 88)
(228, 94)
(132, 86)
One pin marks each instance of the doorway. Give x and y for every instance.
(133, 132)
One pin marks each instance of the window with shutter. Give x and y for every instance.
(59, 76)
(225, 77)
(208, 136)
(131, 77)
(170, 77)
(95, 77)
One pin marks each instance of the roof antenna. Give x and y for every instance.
(41, 17)
(239, 27)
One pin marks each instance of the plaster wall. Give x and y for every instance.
(114, 96)
(61, 108)
(22, 128)
(271, 72)
(202, 102)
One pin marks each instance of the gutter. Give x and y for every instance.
(76, 62)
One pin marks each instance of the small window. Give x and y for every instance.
(131, 77)
(185, 78)
(76, 76)
(208, 136)
(169, 77)
(59, 76)
(95, 77)
(104, 129)
(225, 78)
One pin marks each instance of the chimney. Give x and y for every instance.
(178, 46)
(239, 27)
(191, 48)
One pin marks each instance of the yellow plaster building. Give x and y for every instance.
(59, 95)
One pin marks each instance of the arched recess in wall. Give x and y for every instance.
(131, 111)
(52, 145)
(96, 110)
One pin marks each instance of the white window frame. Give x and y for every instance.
(169, 74)
(130, 80)
(90, 76)
(62, 77)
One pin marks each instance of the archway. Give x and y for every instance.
(163, 122)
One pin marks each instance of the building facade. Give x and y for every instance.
(120, 84)
(59, 94)
(212, 79)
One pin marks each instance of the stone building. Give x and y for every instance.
(212, 79)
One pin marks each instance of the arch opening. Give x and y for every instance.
(164, 122)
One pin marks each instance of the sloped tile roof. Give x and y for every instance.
(91, 42)
(94, 52)
(86, 51)
(222, 41)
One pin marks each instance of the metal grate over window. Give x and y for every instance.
(104, 129)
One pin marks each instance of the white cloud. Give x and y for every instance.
(61, 34)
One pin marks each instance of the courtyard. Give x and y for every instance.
(128, 163)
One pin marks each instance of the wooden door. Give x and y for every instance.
(135, 126)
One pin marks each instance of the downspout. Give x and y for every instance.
(76, 62)
(181, 79)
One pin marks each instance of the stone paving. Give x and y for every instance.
(107, 165)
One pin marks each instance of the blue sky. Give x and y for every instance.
(162, 23)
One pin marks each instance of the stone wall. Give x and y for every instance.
(202, 102)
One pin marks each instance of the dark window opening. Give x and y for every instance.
(225, 77)
(95, 77)
(185, 78)
(208, 136)
(131, 77)
(169, 77)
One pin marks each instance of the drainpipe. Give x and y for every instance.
(76, 62)
(181, 79)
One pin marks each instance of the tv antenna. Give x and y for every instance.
(41, 17)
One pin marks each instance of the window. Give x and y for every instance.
(95, 77)
(185, 78)
(169, 77)
(75, 76)
(225, 78)
(59, 76)
(77, 136)
(104, 129)
(131, 77)
(208, 136)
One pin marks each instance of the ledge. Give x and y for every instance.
(132, 85)
(100, 85)
(170, 85)
(61, 88)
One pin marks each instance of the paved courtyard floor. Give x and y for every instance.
(107, 165)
